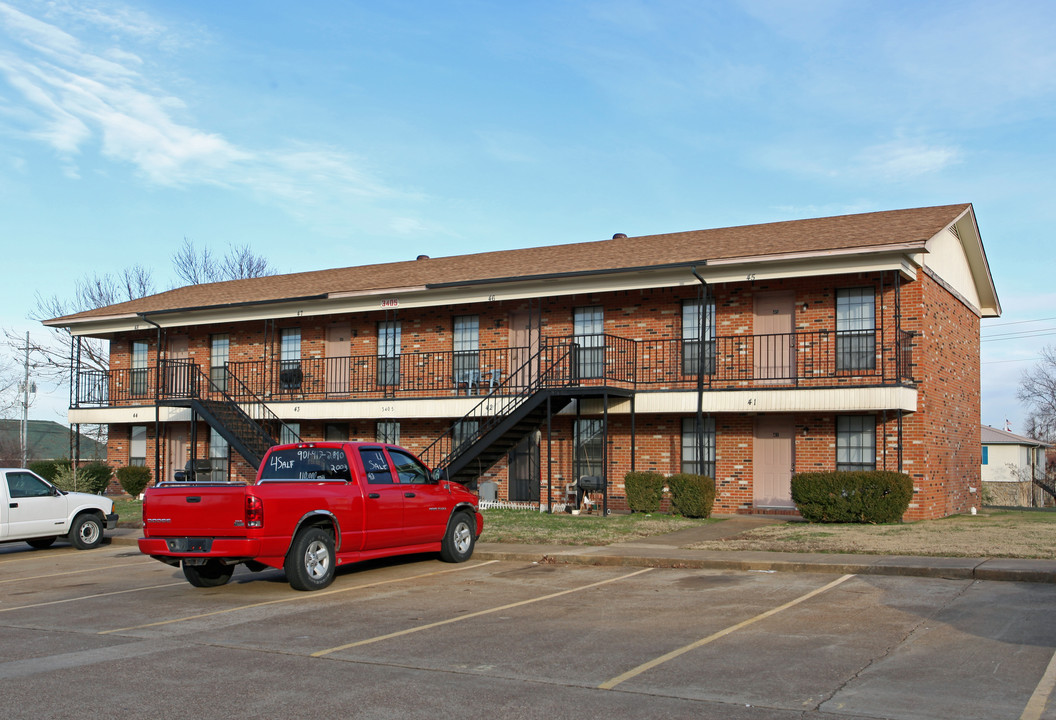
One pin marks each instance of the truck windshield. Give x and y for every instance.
(306, 464)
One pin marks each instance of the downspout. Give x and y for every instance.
(157, 397)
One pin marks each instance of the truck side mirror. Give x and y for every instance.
(440, 475)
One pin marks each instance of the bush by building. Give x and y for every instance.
(134, 479)
(692, 495)
(877, 496)
(645, 490)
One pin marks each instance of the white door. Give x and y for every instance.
(524, 344)
(177, 452)
(772, 461)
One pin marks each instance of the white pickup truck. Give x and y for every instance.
(34, 510)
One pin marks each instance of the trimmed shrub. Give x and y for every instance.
(877, 496)
(64, 480)
(134, 479)
(692, 495)
(45, 468)
(95, 477)
(644, 491)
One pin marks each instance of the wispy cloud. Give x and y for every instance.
(75, 95)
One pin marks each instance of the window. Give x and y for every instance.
(140, 369)
(389, 352)
(986, 455)
(335, 432)
(290, 433)
(465, 432)
(376, 466)
(588, 448)
(387, 431)
(219, 456)
(467, 349)
(855, 442)
(137, 445)
(407, 467)
(26, 485)
(690, 447)
(589, 332)
(855, 329)
(290, 374)
(218, 357)
(692, 334)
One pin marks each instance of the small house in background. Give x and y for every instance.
(46, 440)
(1010, 463)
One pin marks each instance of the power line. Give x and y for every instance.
(1019, 322)
(1045, 332)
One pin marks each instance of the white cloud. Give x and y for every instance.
(900, 160)
(75, 98)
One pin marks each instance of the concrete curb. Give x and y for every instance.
(661, 556)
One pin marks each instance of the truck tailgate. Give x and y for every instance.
(195, 510)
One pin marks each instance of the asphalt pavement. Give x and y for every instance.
(670, 551)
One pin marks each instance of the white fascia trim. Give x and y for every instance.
(725, 271)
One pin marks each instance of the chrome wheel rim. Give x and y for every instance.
(463, 537)
(89, 532)
(317, 560)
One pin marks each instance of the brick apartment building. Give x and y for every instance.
(746, 353)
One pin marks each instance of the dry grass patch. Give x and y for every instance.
(536, 528)
(991, 533)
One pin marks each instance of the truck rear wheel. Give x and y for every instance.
(310, 563)
(459, 538)
(213, 574)
(87, 532)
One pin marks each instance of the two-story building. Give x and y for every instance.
(746, 353)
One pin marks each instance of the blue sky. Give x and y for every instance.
(328, 134)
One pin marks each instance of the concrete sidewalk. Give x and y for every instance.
(667, 551)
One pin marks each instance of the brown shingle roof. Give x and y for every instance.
(816, 235)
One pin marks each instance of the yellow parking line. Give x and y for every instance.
(469, 616)
(609, 684)
(1036, 704)
(293, 598)
(85, 597)
(75, 572)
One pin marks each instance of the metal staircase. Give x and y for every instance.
(247, 425)
(544, 386)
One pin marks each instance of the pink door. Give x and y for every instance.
(178, 452)
(524, 344)
(178, 376)
(773, 345)
(338, 347)
(772, 461)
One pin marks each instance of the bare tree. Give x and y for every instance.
(196, 266)
(10, 380)
(1037, 389)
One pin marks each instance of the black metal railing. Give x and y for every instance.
(800, 359)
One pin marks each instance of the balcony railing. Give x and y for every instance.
(801, 359)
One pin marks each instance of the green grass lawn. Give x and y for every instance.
(129, 510)
(536, 528)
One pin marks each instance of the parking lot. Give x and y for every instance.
(109, 630)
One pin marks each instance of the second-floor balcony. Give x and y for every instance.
(821, 359)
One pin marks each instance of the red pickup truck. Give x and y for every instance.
(314, 506)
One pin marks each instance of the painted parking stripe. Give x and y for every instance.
(87, 597)
(634, 672)
(472, 615)
(75, 572)
(294, 598)
(1036, 705)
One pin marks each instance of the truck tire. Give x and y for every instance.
(459, 538)
(310, 562)
(41, 543)
(213, 574)
(86, 532)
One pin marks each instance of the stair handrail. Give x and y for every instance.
(496, 406)
(190, 378)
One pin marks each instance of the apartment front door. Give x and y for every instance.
(773, 347)
(178, 452)
(178, 376)
(772, 461)
(524, 346)
(338, 348)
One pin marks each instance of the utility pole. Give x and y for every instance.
(26, 389)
